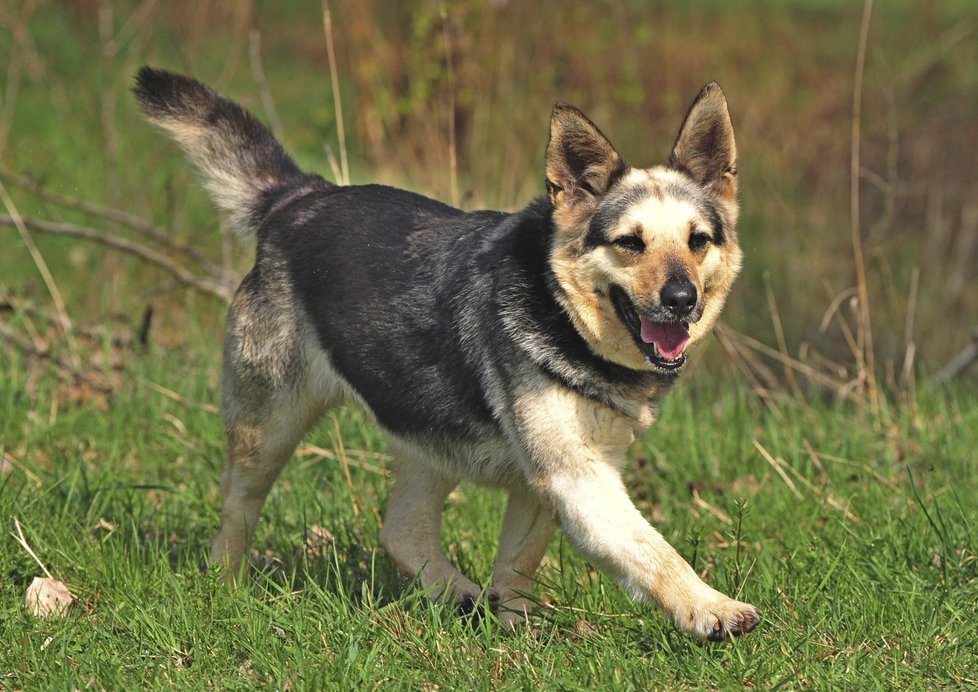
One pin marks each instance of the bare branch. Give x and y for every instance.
(220, 288)
(112, 214)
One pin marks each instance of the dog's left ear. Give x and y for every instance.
(705, 147)
(581, 163)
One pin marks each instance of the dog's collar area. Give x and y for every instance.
(654, 339)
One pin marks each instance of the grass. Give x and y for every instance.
(864, 565)
(853, 532)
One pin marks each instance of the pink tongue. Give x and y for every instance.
(668, 337)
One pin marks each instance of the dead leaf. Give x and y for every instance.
(46, 597)
(105, 525)
(317, 541)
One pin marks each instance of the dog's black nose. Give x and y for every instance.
(678, 296)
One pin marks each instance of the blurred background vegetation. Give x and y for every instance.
(452, 99)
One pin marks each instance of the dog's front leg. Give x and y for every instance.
(598, 517)
(575, 448)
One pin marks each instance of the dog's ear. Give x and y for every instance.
(705, 147)
(581, 162)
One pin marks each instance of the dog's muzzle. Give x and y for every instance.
(662, 342)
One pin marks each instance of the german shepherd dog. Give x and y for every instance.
(523, 350)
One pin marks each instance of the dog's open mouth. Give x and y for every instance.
(662, 343)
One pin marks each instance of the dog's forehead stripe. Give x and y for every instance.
(677, 184)
(698, 197)
(640, 186)
(664, 216)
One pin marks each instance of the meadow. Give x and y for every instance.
(810, 463)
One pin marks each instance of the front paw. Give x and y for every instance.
(718, 618)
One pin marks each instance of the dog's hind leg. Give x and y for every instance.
(273, 393)
(412, 529)
(527, 528)
(258, 448)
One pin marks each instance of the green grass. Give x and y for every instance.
(854, 533)
(121, 503)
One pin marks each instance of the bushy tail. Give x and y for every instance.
(242, 165)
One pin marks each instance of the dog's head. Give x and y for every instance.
(644, 258)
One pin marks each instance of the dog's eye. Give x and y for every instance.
(698, 241)
(631, 243)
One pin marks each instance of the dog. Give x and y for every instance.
(522, 350)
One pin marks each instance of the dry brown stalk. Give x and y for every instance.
(452, 144)
(344, 177)
(772, 305)
(865, 355)
(340, 448)
(179, 398)
(264, 93)
(20, 223)
(816, 376)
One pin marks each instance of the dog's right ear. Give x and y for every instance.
(581, 163)
(705, 147)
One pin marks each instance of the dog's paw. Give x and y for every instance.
(468, 605)
(472, 608)
(719, 619)
(513, 612)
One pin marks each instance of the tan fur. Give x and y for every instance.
(231, 192)
(665, 225)
(579, 449)
(412, 529)
(527, 528)
(585, 298)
